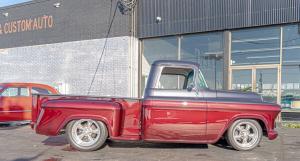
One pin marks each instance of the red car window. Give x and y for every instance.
(15, 91)
(10, 92)
(36, 90)
(24, 92)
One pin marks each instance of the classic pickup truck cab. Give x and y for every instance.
(184, 112)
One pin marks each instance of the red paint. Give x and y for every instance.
(18, 108)
(69, 149)
(174, 120)
(151, 120)
(53, 159)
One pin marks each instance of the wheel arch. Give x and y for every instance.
(96, 118)
(260, 119)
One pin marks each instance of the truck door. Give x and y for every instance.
(175, 112)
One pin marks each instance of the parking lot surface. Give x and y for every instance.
(22, 144)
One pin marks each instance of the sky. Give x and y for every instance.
(11, 2)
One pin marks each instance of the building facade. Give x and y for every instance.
(60, 43)
(248, 45)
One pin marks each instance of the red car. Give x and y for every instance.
(177, 107)
(16, 100)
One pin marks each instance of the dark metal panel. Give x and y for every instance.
(74, 20)
(188, 16)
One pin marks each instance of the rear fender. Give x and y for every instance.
(58, 113)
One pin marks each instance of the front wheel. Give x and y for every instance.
(244, 134)
(86, 134)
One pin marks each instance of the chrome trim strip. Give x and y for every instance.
(16, 122)
(39, 118)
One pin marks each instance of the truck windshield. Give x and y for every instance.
(202, 81)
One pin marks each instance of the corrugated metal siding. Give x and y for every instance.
(74, 20)
(188, 16)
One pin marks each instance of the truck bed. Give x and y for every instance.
(52, 112)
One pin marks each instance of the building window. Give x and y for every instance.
(163, 48)
(291, 81)
(242, 80)
(256, 46)
(291, 67)
(208, 51)
(4, 3)
(291, 45)
(205, 49)
(266, 84)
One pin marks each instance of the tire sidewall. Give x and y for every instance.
(231, 140)
(97, 145)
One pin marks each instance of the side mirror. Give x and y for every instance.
(190, 87)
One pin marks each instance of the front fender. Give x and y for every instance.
(241, 116)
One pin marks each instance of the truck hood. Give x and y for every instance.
(233, 96)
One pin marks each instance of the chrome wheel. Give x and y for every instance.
(85, 132)
(245, 134)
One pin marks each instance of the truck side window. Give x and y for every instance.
(190, 78)
(202, 81)
(175, 78)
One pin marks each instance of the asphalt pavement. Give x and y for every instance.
(20, 143)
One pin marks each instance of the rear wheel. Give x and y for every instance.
(244, 134)
(86, 134)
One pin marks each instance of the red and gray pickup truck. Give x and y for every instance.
(183, 112)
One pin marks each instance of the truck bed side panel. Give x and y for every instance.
(121, 115)
(55, 115)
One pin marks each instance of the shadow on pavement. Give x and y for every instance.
(222, 143)
(114, 144)
(62, 141)
(11, 126)
(56, 141)
(36, 157)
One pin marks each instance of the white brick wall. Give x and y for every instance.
(71, 66)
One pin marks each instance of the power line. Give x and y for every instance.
(104, 46)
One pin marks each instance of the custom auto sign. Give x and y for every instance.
(30, 24)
